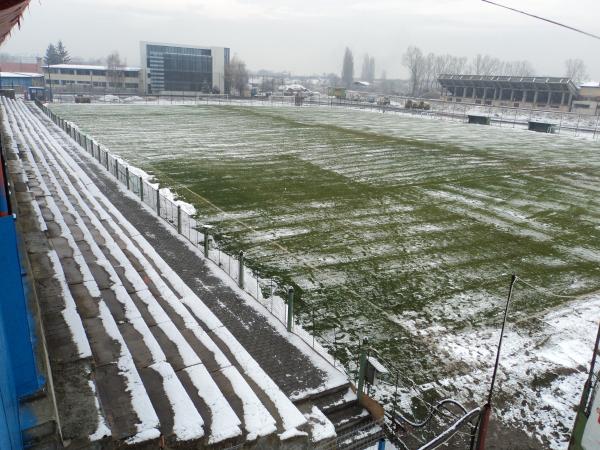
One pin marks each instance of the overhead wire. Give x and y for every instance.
(554, 22)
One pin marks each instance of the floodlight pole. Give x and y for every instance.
(487, 408)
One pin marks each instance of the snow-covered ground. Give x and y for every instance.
(403, 229)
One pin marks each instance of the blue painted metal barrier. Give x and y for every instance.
(19, 377)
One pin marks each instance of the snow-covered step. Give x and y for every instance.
(257, 419)
(186, 313)
(337, 400)
(362, 437)
(133, 416)
(186, 423)
(289, 416)
(349, 418)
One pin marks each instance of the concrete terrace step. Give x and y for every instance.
(348, 418)
(335, 401)
(153, 359)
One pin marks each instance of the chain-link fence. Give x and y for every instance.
(184, 223)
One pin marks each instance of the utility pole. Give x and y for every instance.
(487, 408)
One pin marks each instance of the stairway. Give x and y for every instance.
(137, 358)
(151, 362)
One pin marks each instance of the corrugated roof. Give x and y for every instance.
(10, 15)
(87, 67)
(20, 75)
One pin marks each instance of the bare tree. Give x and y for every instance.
(236, 76)
(385, 84)
(575, 69)
(115, 75)
(518, 69)
(486, 65)
(457, 65)
(348, 68)
(413, 60)
(371, 72)
(364, 73)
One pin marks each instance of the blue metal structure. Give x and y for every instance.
(11, 80)
(19, 377)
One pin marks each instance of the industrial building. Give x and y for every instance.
(588, 99)
(182, 68)
(551, 93)
(80, 78)
(20, 81)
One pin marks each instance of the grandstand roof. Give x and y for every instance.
(509, 82)
(10, 15)
(20, 75)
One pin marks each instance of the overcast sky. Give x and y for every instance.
(309, 36)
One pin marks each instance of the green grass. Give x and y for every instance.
(424, 219)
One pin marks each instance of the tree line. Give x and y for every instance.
(425, 69)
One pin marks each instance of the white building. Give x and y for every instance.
(172, 68)
(83, 78)
(588, 99)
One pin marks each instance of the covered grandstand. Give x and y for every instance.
(553, 93)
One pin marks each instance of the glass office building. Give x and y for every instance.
(179, 68)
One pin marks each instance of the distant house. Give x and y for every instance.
(19, 66)
(20, 81)
(588, 99)
(293, 89)
(361, 84)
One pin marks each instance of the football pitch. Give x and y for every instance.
(402, 229)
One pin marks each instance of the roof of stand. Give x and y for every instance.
(10, 15)
(509, 82)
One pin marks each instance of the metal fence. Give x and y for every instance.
(161, 201)
(565, 123)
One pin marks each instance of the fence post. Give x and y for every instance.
(127, 176)
(105, 157)
(141, 189)
(241, 269)
(362, 371)
(206, 242)
(158, 201)
(178, 219)
(290, 314)
(117, 168)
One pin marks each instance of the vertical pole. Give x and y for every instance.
(560, 123)
(581, 417)
(141, 189)
(206, 242)
(178, 219)
(127, 177)
(117, 168)
(313, 327)
(290, 315)
(362, 371)
(487, 408)
(241, 269)
(158, 201)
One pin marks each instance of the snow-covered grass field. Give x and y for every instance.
(402, 229)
